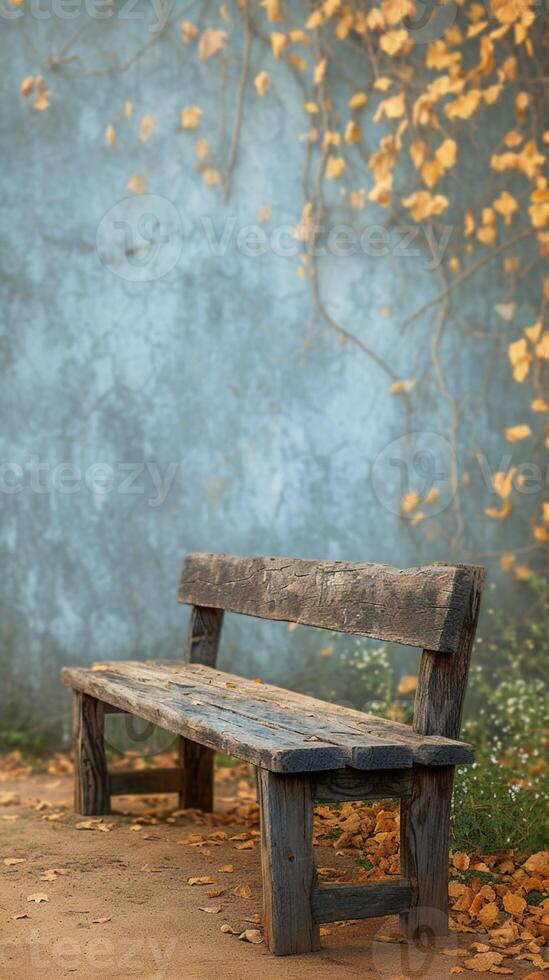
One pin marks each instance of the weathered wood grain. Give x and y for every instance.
(153, 781)
(347, 785)
(331, 903)
(422, 607)
(425, 817)
(424, 833)
(197, 760)
(203, 635)
(287, 863)
(434, 750)
(197, 763)
(225, 731)
(209, 707)
(442, 681)
(91, 780)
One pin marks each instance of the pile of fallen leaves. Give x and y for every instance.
(500, 898)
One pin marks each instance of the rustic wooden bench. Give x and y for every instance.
(304, 750)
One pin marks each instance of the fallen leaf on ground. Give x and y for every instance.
(515, 904)
(12, 861)
(203, 880)
(251, 936)
(483, 961)
(229, 929)
(25, 915)
(210, 909)
(94, 825)
(52, 873)
(38, 897)
(215, 892)
(242, 891)
(227, 869)
(102, 919)
(461, 861)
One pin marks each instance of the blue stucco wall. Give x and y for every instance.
(214, 377)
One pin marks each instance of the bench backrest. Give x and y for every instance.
(434, 607)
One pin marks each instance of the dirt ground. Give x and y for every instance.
(119, 904)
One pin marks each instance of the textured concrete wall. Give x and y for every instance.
(248, 426)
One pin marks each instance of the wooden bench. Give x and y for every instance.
(305, 750)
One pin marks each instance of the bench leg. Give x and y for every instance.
(287, 863)
(91, 779)
(424, 832)
(196, 762)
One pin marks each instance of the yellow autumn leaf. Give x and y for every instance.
(431, 495)
(136, 184)
(211, 42)
(261, 82)
(542, 349)
(488, 914)
(128, 109)
(353, 132)
(331, 138)
(502, 482)
(392, 108)
(278, 43)
(460, 860)
(311, 107)
(316, 19)
(506, 561)
(42, 100)
(409, 501)
(418, 149)
(464, 105)
(533, 332)
(407, 684)
(335, 167)
(202, 149)
(520, 359)
(394, 42)
(513, 903)
(190, 117)
(422, 204)
(110, 135)
(146, 128)
(506, 205)
(446, 154)
(539, 405)
(431, 171)
(211, 176)
(468, 224)
(242, 891)
(540, 532)
(272, 8)
(187, 31)
(27, 85)
(358, 100)
(319, 71)
(402, 386)
(517, 432)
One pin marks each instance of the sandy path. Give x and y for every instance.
(137, 881)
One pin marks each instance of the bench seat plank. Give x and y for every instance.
(430, 750)
(258, 723)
